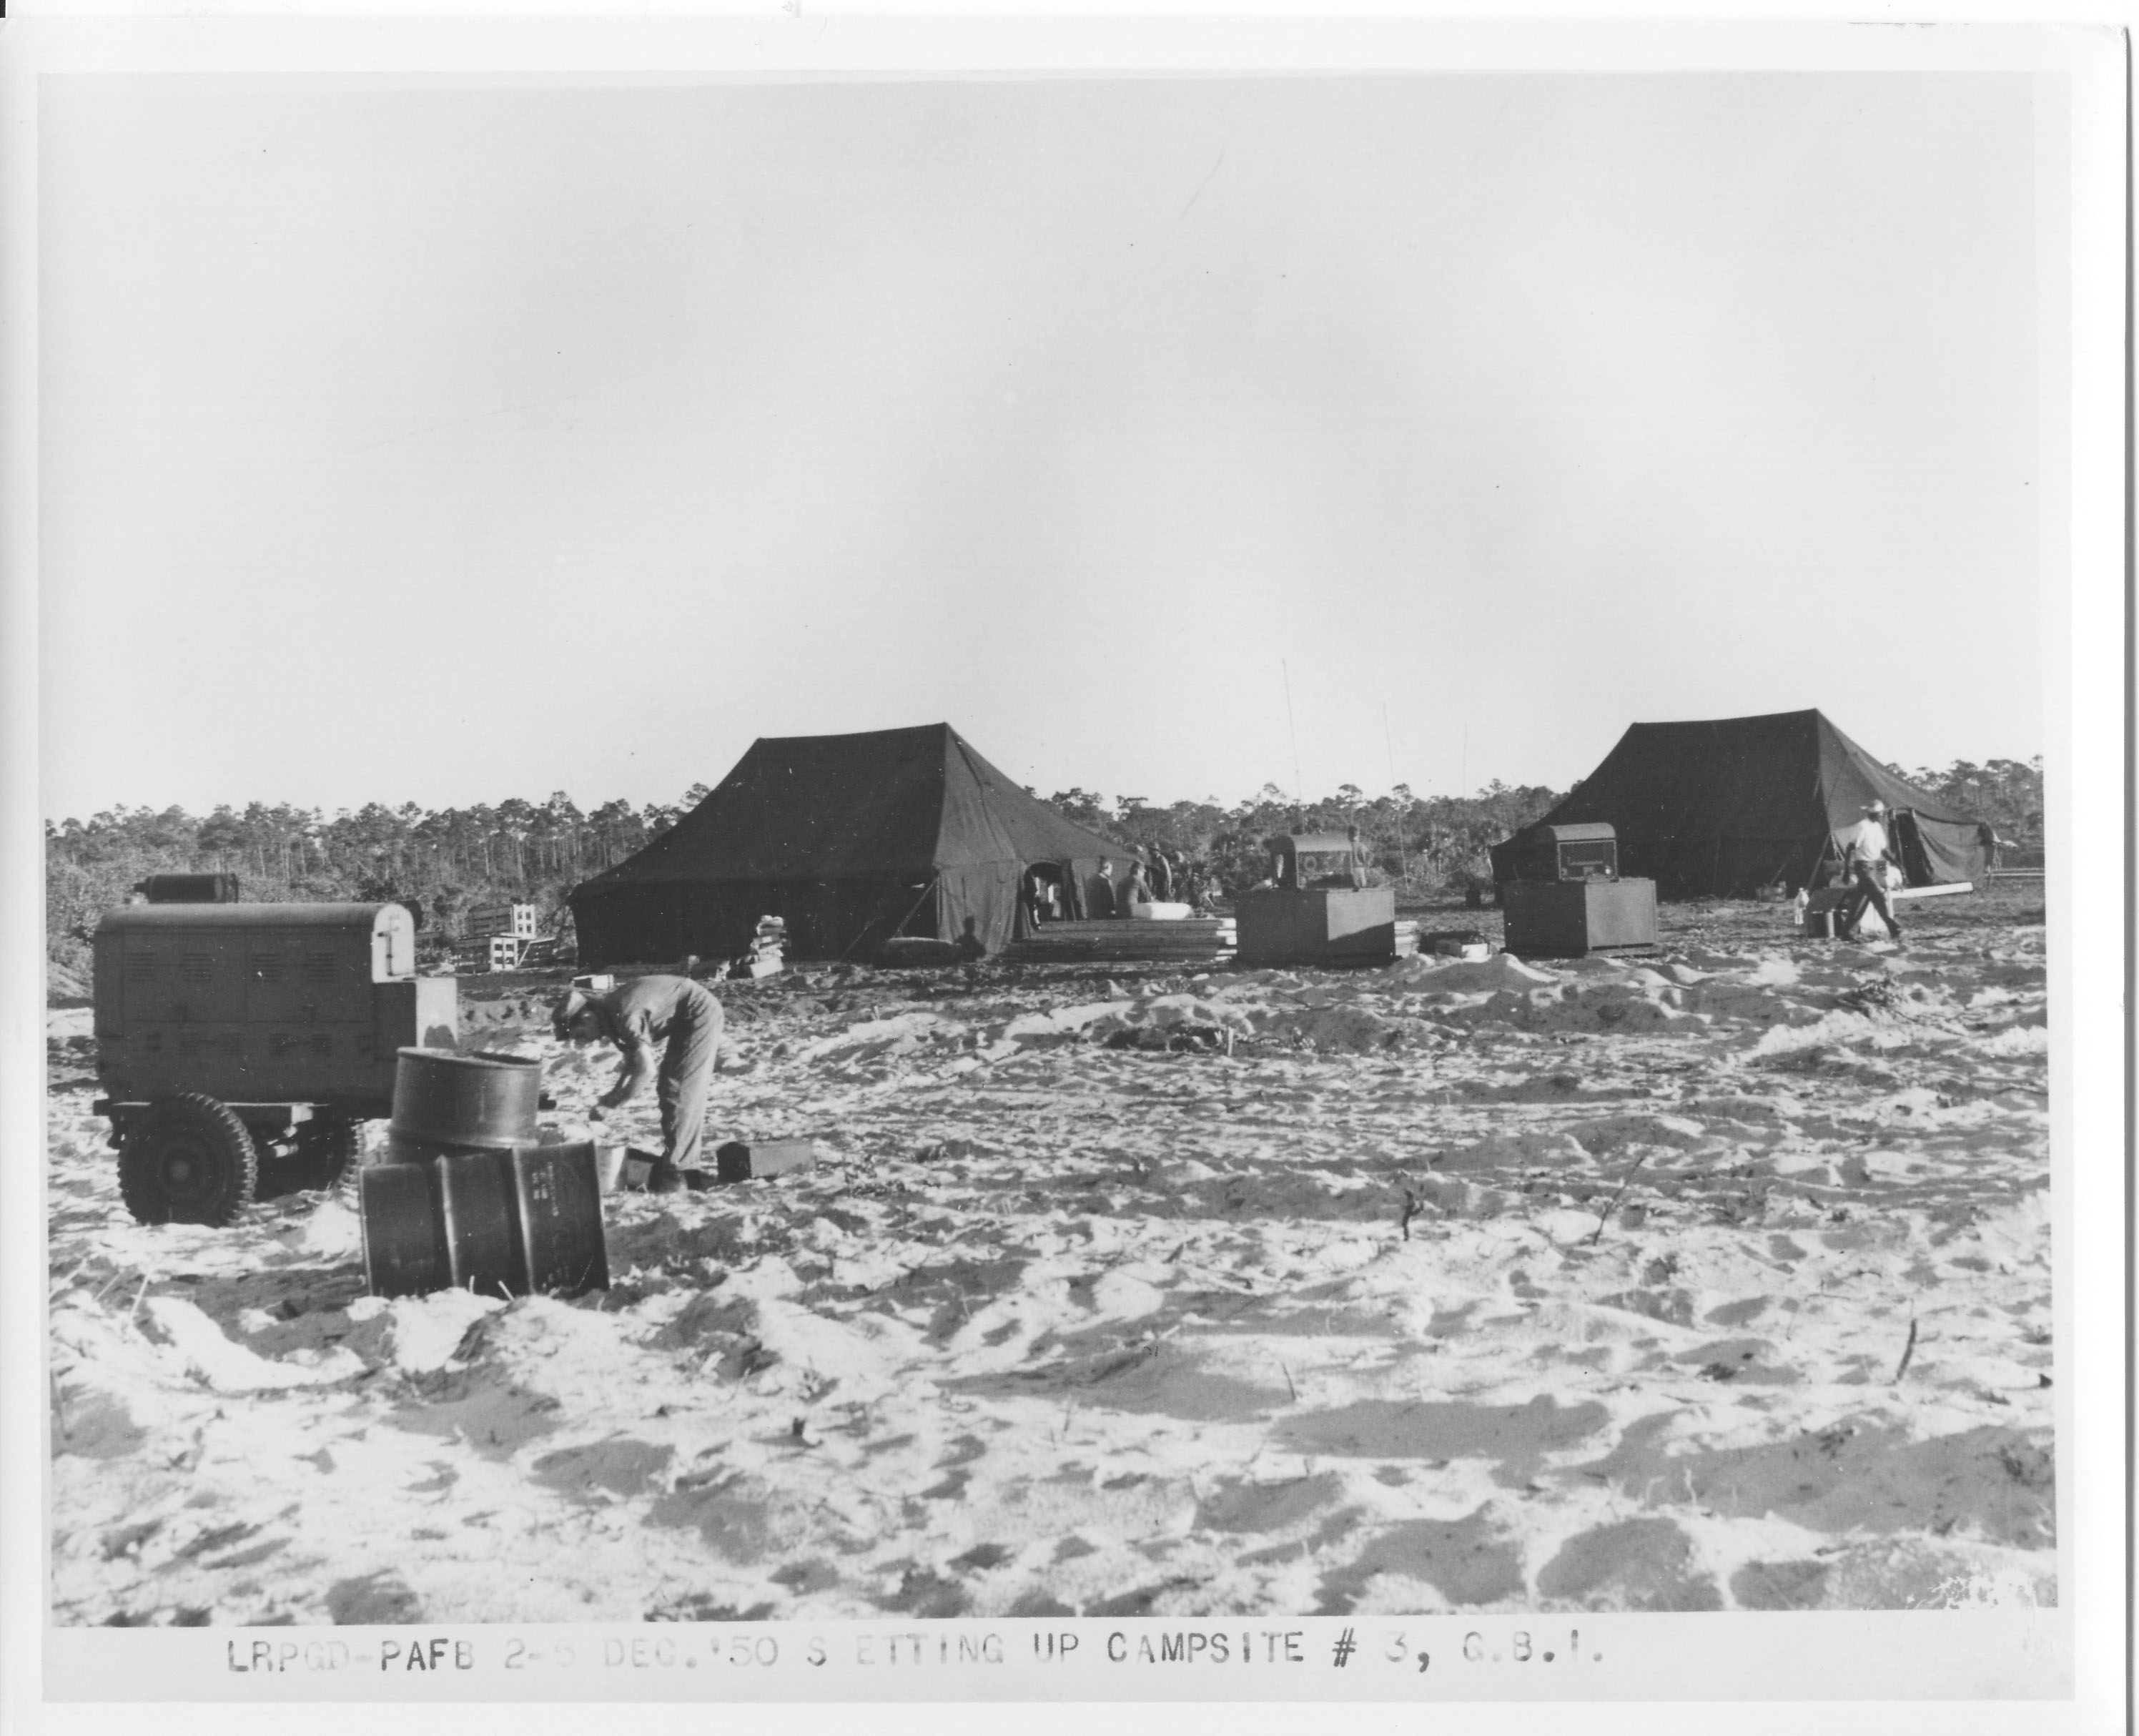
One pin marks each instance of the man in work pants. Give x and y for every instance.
(1866, 851)
(680, 1017)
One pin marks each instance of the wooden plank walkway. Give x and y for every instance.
(1193, 938)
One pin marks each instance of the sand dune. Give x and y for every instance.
(1450, 1285)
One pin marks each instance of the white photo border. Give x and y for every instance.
(1686, 1671)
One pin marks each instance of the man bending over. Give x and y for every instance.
(682, 1020)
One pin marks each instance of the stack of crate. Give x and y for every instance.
(767, 955)
(500, 933)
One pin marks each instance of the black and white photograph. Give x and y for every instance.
(1262, 854)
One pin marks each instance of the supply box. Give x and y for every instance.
(1568, 899)
(1317, 911)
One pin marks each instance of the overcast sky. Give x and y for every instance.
(448, 444)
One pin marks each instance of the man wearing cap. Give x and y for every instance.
(1866, 849)
(680, 1017)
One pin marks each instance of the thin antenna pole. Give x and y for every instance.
(1463, 782)
(1389, 742)
(1298, 785)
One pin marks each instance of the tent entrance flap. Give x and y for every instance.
(1043, 896)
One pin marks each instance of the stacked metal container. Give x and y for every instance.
(469, 1197)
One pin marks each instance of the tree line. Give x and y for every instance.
(442, 863)
(2007, 792)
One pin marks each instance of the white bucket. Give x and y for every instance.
(622, 1170)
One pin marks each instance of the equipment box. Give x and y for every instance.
(256, 1003)
(1318, 908)
(239, 1045)
(1588, 851)
(1322, 925)
(1568, 918)
(738, 1162)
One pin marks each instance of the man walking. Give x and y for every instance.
(680, 1018)
(1865, 850)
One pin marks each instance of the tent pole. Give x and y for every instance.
(896, 926)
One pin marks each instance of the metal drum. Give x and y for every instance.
(405, 1244)
(517, 1222)
(474, 1193)
(558, 1217)
(447, 1101)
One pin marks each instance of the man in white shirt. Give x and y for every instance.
(1865, 850)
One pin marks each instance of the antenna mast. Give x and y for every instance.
(1299, 789)
(1389, 742)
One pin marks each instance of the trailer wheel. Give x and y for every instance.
(324, 1151)
(187, 1159)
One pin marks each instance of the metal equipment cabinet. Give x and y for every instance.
(1316, 912)
(1568, 900)
(239, 1045)
(1568, 918)
(1585, 851)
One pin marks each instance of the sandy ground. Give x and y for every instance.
(1451, 1285)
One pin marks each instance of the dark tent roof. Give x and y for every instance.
(1723, 806)
(831, 832)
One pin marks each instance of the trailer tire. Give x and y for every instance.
(187, 1159)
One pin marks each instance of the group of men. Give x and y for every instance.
(1164, 879)
(1169, 877)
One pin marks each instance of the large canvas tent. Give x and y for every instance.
(850, 839)
(1725, 807)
